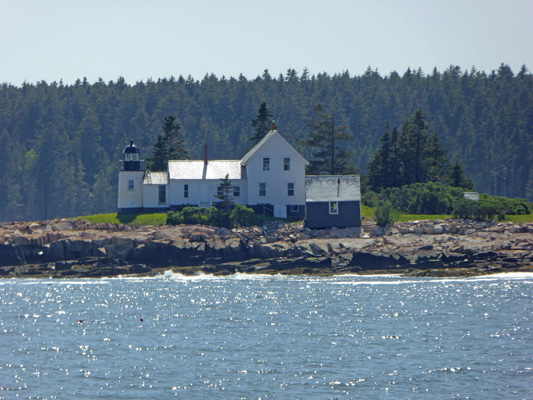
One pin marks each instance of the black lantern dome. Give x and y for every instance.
(132, 158)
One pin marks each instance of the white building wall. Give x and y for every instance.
(201, 192)
(128, 198)
(151, 197)
(276, 179)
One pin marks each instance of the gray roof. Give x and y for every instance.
(196, 169)
(332, 188)
(155, 178)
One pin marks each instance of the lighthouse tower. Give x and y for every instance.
(130, 181)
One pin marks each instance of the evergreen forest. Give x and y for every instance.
(60, 145)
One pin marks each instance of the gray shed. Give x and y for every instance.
(332, 201)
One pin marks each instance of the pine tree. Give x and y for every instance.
(159, 159)
(169, 146)
(174, 142)
(261, 123)
(329, 157)
(458, 178)
(225, 194)
(384, 170)
(414, 156)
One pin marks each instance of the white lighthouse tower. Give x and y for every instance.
(130, 181)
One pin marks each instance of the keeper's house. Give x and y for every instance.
(332, 201)
(271, 176)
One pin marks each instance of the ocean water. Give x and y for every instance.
(267, 337)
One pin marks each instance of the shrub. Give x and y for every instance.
(239, 216)
(174, 218)
(464, 209)
(423, 198)
(385, 214)
(242, 215)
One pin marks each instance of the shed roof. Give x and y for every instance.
(197, 169)
(332, 188)
(155, 178)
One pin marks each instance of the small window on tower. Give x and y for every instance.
(131, 184)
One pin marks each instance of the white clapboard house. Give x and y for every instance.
(270, 177)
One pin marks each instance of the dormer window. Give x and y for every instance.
(266, 164)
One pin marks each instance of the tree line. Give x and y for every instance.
(60, 145)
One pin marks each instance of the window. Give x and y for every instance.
(131, 185)
(294, 209)
(266, 164)
(236, 191)
(290, 189)
(262, 189)
(286, 164)
(333, 207)
(186, 191)
(220, 193)
(162, 194)
(131, 157)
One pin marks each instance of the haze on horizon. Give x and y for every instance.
(65, 40)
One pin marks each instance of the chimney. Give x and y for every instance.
(273, 127)
(205, 153)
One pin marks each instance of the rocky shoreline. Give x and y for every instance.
(79, 249)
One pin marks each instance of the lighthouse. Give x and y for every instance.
(130, 181)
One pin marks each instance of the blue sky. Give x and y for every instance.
(69, 39)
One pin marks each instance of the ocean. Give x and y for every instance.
(267, 337)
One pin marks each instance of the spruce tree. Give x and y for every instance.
(330, 156)
(169, 146)
(225, 194)
(159, 159)
(384, 170)
(174, 142)
(416, 155)
(261, 123)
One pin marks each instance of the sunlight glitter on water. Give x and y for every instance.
(270, 337)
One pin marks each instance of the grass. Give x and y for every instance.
(521, 219)
(155, 219)
(419, 217)
(129, 219)
(368, 213)
(161, 218)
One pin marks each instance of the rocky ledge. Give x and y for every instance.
(75, 248)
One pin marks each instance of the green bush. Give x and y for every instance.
(385, 214)
(423, 198)
(464, 209)
(174, 218)
(486, 208)
(239, 216)
(242, 215)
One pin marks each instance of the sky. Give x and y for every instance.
(138, 40)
